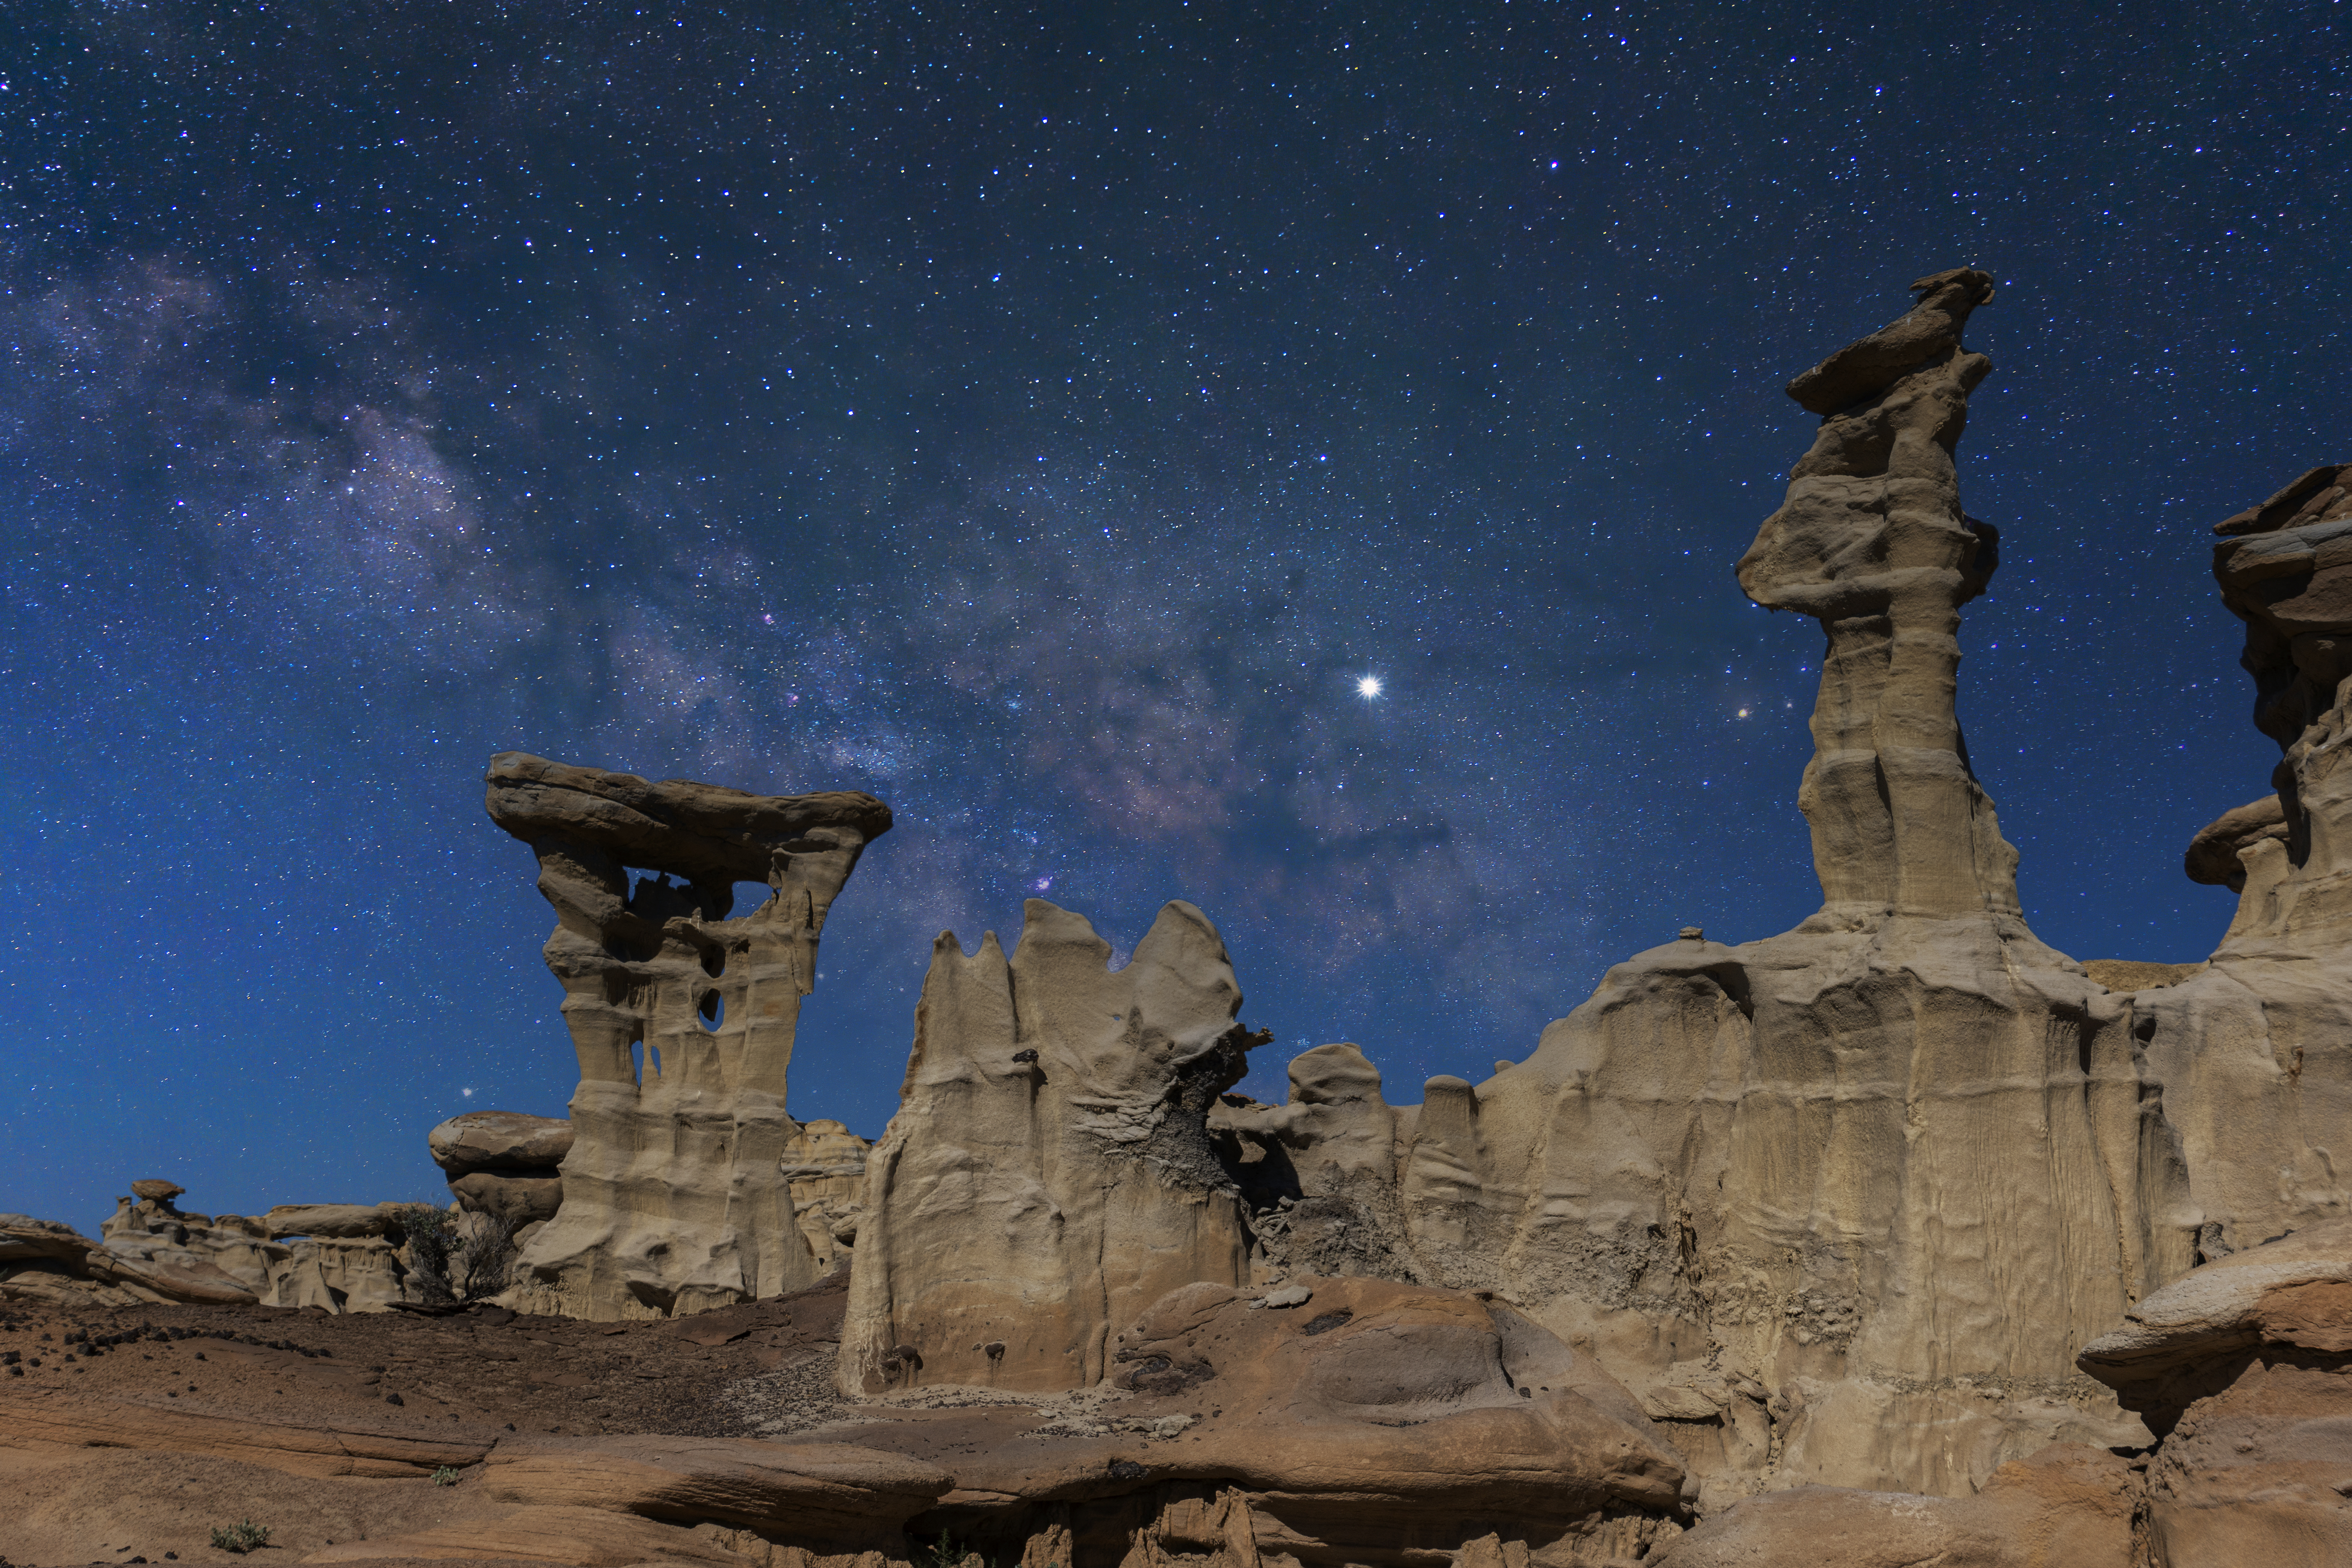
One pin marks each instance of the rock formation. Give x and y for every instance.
(503, 1163)
(1842, 1202)
(2254, 1052)
(682, 1015)
(2245, 1367)
(824, 1167)
(337, 1257)
(1049, 1173)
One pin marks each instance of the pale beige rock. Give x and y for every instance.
(824, 1166)
(1049, 1173)
(1884, 1174)
(683, 1017)
(337, 1221)
(506, 1141)
(2254, 1056)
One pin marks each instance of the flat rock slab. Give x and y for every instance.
(304, 1449)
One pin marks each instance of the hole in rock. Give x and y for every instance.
(714, 962)
(713, 1010)
(751, 897)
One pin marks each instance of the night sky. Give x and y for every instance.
(1051, 422)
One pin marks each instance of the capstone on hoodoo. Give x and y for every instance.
(674, 1192)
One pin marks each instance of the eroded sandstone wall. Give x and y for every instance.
(1841, 1205)
(1048, 1174)
(2254, 1052)
(682, 1012)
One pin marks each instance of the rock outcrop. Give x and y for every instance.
(2254, 1053)
(1843, 1203)
(1840, 1206)
(335, 1257)
(2245, 1367)
(503, 1163)
(824, 1167)
(1049, 1173)
(2069, 1506)
(682, 1015)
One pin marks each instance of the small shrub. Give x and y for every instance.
(447, 1476)
(484, 1264)
(241, 1537)
(426, 1232)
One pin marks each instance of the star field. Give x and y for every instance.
(1291, 461)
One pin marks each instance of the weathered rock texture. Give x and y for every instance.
(1839, 1205)
(503, 1163)
(2069, 1506)
(2255, 1052)
(674, 1198)
(334, 1257)
(1335, 1421)
(825, 1165)
(2245, 1367)
(1049, 1173)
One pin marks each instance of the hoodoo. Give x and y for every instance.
(674, 1193)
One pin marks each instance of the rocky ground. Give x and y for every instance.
(470, 1379)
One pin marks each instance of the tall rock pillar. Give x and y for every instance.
(675, 1197)
(1845, 1202)
(1872, 541)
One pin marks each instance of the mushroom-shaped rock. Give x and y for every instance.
(509, 1142)
(682, 1012)
(156, 1191)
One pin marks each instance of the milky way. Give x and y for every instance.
(1164, 453)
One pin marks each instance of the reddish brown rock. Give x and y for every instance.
(2066, 1506)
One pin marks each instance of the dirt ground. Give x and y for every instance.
(478, 1375)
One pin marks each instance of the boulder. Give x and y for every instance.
(1049, 1173)
(519, 1199)
(682, 1015)
(156, 1191)
(2245, 1367)
(508, 1141)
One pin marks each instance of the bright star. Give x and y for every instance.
(1370, 686)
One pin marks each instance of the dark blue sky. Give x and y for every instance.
(1044, 420)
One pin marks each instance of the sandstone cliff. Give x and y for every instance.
(682, 1012)
(1048, 1174)
(2254, 1052)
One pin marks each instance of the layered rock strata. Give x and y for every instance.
(337, 1257)
(1049, 1172)
(504, 1164)
(682, 1014)
(2254, 1052)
